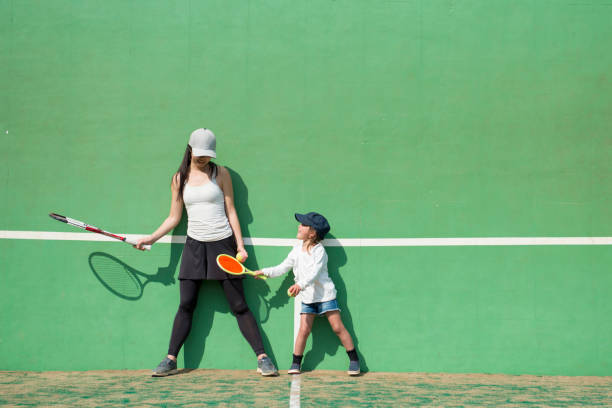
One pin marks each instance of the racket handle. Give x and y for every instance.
(132, 242)
(262, 277)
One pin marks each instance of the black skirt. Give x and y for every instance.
(200, 259)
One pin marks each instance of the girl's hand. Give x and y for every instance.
(242, 255)
(257, 274)
(144, 241)
(294, 290)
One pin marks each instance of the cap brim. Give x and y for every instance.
(301, 218)
(202, 152)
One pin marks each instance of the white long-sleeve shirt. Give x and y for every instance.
(309, 271)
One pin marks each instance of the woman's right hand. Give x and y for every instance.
(257, 274)
(148, 240)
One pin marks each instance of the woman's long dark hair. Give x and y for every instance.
(183, 170)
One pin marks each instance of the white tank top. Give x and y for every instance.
(206, 218)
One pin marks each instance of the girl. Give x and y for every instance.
(308, 260)
(212, 229)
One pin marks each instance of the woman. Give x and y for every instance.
(212, 229)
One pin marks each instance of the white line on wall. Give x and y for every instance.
(344, 242)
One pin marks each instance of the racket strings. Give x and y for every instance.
(116, 277)
(230, 264)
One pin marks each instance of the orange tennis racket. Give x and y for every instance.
(231, 265)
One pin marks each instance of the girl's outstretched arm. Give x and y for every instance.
(282, 268)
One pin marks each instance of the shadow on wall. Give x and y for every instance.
(324, 340)
(121, 279)
(255, 293)
(128, 283)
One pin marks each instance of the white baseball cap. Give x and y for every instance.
(203, 143)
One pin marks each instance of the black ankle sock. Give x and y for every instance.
(352, 355)
(297, 359)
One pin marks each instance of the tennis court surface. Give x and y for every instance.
(243, 388)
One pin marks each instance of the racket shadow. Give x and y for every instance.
(263, 304)
(121, 279)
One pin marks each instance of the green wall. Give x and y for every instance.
(441, 118)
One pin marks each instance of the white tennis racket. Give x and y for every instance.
(91, 228)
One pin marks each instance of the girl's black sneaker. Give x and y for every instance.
(295, 369)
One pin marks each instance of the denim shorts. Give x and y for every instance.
(320, 308)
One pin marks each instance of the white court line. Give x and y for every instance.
(294, 393)
(343, 242)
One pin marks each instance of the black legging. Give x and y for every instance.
(234, 293)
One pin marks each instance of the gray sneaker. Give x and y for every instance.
(265, 367)
(166, 367)
(354, 368)
(295, 369)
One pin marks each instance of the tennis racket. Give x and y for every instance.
(91, 228)
(231, 265)
(121, 279)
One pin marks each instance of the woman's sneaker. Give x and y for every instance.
(166, 367)
(354, 368)
(295, 369)
(266, 368)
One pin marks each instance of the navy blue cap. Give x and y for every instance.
(316, 221)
